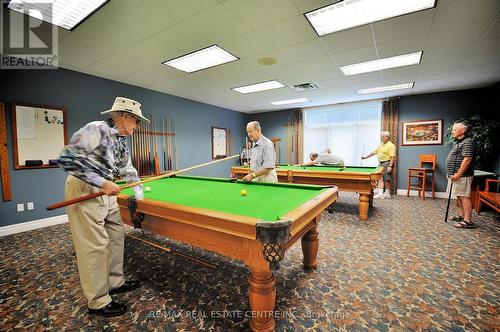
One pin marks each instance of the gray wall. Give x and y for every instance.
(84, 97)
(448, 106)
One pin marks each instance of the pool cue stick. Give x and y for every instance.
(163, 138)
(175, 252)
(138, 146)
(141, 151)
(157, 162)
(170, 155)
(151, 149)
(451, 186)
(362, 154)
(129, 185)
(170, 143)
(174, 139)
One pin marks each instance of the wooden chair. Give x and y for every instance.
(422, 174)
(492, 199)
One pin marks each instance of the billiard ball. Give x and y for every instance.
(243, 192)
(147, 189)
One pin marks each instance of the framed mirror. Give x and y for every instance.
(39, 135)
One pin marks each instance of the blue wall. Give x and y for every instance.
(84, 97)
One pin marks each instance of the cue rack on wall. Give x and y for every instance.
(4, 157)
(153, 147)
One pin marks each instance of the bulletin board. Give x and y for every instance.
(39, 135)
(219, 143)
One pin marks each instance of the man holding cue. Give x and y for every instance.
(263, 156)
(96, 156)
(460, 171)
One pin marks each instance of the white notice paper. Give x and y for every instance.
(25, 120)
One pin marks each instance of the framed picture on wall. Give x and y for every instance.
(219, 143)
(422, 132)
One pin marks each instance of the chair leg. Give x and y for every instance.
(409, 181)
(433, 192)
(479, 206)
(423, 186)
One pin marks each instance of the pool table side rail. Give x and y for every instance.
(209, 229)
(215, 220)
(303, 214)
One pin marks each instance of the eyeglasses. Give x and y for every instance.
(137, 121)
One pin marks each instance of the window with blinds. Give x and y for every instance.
(349, 130)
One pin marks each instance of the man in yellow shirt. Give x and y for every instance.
(386, 153)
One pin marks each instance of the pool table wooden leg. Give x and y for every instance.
(262, 297)
(371, 198)
(310, 245)
(364, 204)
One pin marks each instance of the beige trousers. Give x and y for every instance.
(98, 238)
(269, 177)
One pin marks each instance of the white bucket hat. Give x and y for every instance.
(123, 104)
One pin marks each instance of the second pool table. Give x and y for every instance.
(257, 229)
(351, 178)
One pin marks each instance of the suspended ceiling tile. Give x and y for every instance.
(257, 14)
(217, 24)
(348, 40)
(463, 12)
(402, 27)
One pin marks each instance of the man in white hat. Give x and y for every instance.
(96, 156)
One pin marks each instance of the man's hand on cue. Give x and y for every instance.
(248, 177)
(110, 188)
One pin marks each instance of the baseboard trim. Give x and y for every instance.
(31, 225)
(441, 194)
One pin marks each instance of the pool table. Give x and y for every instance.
(256, 229)
(353, 178)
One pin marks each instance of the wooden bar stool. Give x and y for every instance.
(422, 174)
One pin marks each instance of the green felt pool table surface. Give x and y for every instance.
(265, 201)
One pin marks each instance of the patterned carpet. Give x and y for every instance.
(403, 270)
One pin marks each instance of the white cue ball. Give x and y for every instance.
(147, 189)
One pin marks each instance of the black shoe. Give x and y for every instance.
(126, 287)
(110, 310)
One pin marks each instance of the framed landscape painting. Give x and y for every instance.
(423, 132)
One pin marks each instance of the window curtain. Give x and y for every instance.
(300, 136)
(294, 132)
(390, 123)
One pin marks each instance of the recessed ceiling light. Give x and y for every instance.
(66, 14)
(290, 101)
(205, 58)
(386, 88)
(352, 13)
(269, 85)
(381, 64)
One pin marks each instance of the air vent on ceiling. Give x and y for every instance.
(305, 87)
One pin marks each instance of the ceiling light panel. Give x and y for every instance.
(381, 64)
(385, 88)
(269, 85)
(352, 13)
(66, 14)
(290, 101)
(205, 58)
